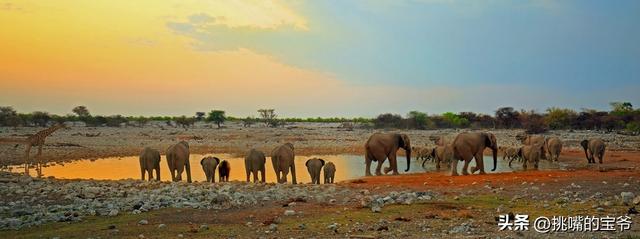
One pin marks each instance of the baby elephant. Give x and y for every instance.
(224, 169)
(314, 166)
(149, 161)
(209, 165)
(329, 172)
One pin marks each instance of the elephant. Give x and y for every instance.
(224, 169)
(467, 146)
(149, 161)
(209, 165)
(282, 158)
(314, 166)
(510, 154)
(178, 161)
(439, 140)
(422, 154)
(254, 162)
(530, 153)
(381, 146)
(554, 147)
(442, 154)
(593, 148)
(534, 140)
(329, 172)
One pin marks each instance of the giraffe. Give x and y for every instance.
(34, 140)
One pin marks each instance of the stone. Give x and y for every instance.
(273, 227)
(289, 212)
(627, 198)
(636, 200)
(302, 226)
(162, 225)
(333, 226)
(113, 213)
(143, 222)
(204, 227)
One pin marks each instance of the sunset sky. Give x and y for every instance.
(317, 58)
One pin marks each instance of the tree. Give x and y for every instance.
(81, 111)
(417, 120)
(9, 117)
(454, 121)
(200, 116)
(388, 120)
(506, 117)
(268, 116)
(40, 118)
(532, 122)
(558, 118)
(216, 116)
(621, 107)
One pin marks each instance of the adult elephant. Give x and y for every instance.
(593, 148)
(178, 161)
(314, 166)
(149, 161)
(381, 146)
(282, 158)
(554, 147)
(467, 146)
(254, 162)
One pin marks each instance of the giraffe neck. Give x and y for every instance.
(47, 132)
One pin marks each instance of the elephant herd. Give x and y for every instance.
(468, 146)
(282, 158)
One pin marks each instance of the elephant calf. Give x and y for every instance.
(224, 169)
(530, 153)
(329, 172)
(554, 147)
(509, 153)
(149, 161)
(209, 165)
(314, 166)
(593, 148)
(253, 163)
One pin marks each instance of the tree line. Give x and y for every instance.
(622, 117)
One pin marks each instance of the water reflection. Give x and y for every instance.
(347, 167)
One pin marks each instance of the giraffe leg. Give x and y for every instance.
(26, 159)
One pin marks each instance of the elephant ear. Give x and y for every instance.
(202, 161)
(307, 163)
(488, 141)
(217, 160)
(402, 140)
(584, 144)
(322, 161)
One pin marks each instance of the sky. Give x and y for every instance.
(347, 58)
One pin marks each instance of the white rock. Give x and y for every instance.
(113, 212)
(143, 222)
(289, 212)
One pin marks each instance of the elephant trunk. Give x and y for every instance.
(408, 150)
(495, 158)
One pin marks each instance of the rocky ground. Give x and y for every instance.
(80, 142)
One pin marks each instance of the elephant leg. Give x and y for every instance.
(255, 176)
(150, 174)
(479, 163)
(437, 163)
(511, 160)
(524, 162)
(188, 168)
(248, 173)
(393, 163)
(465, 167)
(158, 173)
(173, 174)
(454, 167)
(379, 166)
(367, 162)
(263, 175)
(142, 173)
(293, 173)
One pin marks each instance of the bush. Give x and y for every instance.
(388, 120)
(269, 117)
(40, 118)
(417, 120)
(532, 122)
(185, 121)
(507, 117)
(558, 118)
(9, 117)
(454, 121)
